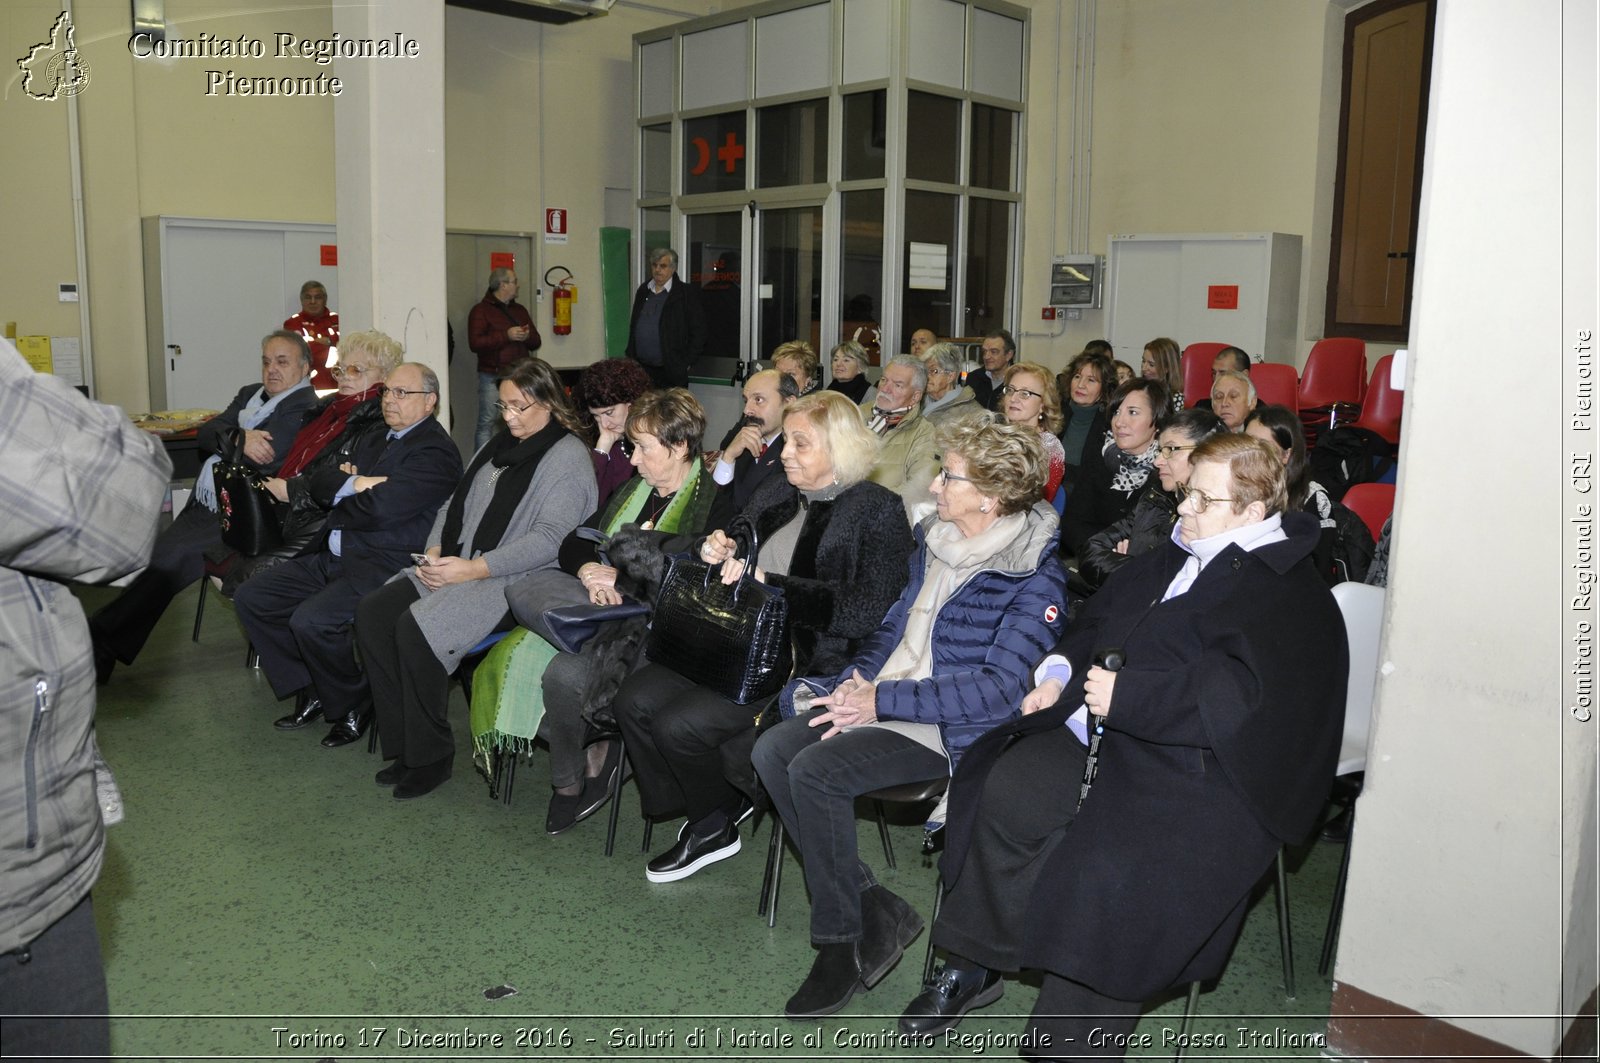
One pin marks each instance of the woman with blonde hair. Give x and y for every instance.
(799, 359)
(1026, 398)
(836, 544)
(952, 659)
(1164, 362)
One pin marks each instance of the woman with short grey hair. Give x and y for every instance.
(849, 364)
(947, 398)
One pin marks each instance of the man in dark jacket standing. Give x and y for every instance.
(81, 489)
(500, 332)
(269, 415)
(668, 329)
(299, 614)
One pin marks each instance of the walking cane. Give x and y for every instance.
(1112, 660)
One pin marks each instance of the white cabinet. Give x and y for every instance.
(1238, 288)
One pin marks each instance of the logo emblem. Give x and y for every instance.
(1050, 614)
(54, 68)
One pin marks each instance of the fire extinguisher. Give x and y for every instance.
(564, 293)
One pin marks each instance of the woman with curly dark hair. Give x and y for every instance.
(606, 390)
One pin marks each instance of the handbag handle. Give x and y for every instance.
(740, 530)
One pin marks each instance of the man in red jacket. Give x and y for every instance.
(320, 328)
(500, 332)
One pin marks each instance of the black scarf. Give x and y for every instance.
(517, 459)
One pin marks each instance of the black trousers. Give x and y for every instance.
(1029, 798)
(298, 616)
(410, 688)
(676, 732)
(58, 982)
(176, 561)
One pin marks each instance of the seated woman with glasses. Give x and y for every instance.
(1221, 732)
(952, 659)
(1150, 523)
(523, 491)
(525, 688)
(1111, 482)
(1026, 398)
(326, 442)
(836, 544)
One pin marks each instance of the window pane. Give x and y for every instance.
(791, 269)
(930, 233)
(714, 262)
(792, 144)
(934, 131)
(988, 265)
(861, 272)
(657, 150)
(655, 223)
(713, 153)
(864, 135)
(993, 163)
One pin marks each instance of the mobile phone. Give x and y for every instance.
(422, 559)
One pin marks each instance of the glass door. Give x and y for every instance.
(716, 243)
(789, 288)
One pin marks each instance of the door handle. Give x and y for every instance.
(1399, 254)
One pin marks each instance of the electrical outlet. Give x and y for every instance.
(1048, 313)
(1074, 314)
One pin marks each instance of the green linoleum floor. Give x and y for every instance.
(264, 897)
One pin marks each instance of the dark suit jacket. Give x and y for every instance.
(380, 527)
(683, 330)
(750, 472)
(285, 422)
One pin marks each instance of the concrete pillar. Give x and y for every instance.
(389, 168)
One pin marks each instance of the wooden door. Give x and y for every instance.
(1388, 48)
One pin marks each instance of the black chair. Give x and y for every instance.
(217, 567)
(907, 794)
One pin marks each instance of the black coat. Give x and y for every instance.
(849, 566)
(683, 331)
(284, 423)
(1094, 503)
(1093, 441)
(1146, 528)
(1220, 746)
(749, 471)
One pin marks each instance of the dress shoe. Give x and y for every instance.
(307, 711)
(392, 774)
(424, 780)
(563, 811)
(888, 925)
(692, 852)
(351, 726)
(952, 993)
(835, 977)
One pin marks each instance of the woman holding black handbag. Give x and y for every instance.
(836, 545)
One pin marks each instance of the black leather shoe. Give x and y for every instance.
(835, 977)
(424, 780)
(392, 774)
(307, 711)
(693, 852)
(349, 729)
(563, 811)
(888, 925)
(950, 995)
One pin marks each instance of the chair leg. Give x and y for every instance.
(775, 869)
(649, 826)
(938, 902)
(252, 659)
(510, 773)
(199, 610)
(773, 843)
(1188, 1017)
(1283, 928)
(883, 832)
(1336, 911)
(615, 788)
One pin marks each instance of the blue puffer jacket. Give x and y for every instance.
(987, 638)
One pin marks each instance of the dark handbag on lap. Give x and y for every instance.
(570, 627)
(732, 639)
(247, 513)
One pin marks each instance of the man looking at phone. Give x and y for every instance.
(381, 504)
(752, 448)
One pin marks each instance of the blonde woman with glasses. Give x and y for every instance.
(1027, 398)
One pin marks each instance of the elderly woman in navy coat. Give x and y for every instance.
(951, 660)
(1222, 730)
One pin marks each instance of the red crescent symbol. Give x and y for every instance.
(704, 148)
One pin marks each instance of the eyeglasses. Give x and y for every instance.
(401, 394)
(504, 407)
(1024, 392)
(1199, 499)
(945, 476)
(1166, 450)
(349, 370)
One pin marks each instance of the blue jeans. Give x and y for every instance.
(488, 416)
(814, 785)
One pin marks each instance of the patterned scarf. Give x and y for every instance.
(883, 420)
(1131, 470)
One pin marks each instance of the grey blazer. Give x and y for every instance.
(563, 492)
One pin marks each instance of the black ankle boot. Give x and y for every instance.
(835, 976)
(888, 925)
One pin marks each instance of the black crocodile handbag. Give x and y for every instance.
(245, 510)
(731, 638)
